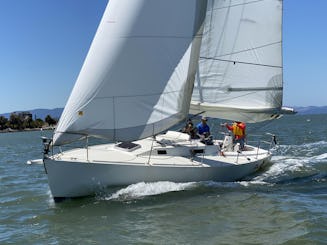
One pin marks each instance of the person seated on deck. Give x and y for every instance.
(189, 129)
(203, 131)
(238, 129)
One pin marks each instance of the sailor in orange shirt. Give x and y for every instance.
(238, 129)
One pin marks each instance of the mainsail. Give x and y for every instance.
(138, 76)
(240, 68)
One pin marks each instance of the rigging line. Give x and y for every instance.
(75, 133)
(153, 139)
(241, 62)
(114, 116)
(262, 125)
(160, 36)
(250, 49)
(240, 4)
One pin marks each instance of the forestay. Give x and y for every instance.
(240, 69)
(137, 78)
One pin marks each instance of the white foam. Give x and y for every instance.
(253, 182)
(302, 148)
(318, 143)
(288, 166)
(143, 189)
(321, 157)
(35, 161)
(51, 201)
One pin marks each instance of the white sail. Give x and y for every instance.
(240, 68)
(138, 76)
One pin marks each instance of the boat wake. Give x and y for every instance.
(291, 165)
(143, 189)
(294, 163)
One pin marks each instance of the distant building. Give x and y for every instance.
(25, 115)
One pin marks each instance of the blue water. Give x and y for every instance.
(283, 204)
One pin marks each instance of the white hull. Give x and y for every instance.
(83, 172)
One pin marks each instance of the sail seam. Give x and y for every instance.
(137, 95)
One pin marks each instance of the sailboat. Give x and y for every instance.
(150, 66)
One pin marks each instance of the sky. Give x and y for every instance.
(43, 44)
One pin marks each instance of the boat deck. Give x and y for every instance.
(162, 153)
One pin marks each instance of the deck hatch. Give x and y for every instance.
(197, 151)
(162, 152)
(127, 146)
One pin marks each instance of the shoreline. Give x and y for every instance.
(9, 130)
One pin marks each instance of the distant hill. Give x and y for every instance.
(311, 110)
(40, 113)
(55, 113)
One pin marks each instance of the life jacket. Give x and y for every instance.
(238, 131)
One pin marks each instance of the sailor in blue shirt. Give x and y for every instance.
(203, 128)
